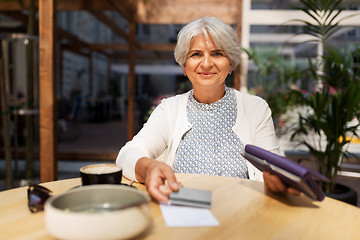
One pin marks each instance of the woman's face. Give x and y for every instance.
(206, 64)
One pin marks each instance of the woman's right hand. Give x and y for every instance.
(274, 183)
(158, 177)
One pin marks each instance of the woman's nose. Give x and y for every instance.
(206, 61)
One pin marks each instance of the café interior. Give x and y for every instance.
(107, 64)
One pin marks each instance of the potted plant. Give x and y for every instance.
(334, 102)
(324, 128)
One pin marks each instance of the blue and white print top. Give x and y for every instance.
(211, 147)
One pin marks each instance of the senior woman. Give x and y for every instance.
(203, 131)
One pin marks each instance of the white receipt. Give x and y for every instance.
(181, 216)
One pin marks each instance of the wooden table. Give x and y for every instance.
(244, 208)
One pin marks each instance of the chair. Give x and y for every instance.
(121, 104)
(68, 126)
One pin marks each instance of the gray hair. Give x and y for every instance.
(223, 35)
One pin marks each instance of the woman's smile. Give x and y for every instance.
(205, 74)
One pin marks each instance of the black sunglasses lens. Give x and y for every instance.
(37, 196)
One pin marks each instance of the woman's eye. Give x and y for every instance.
(218, 54)
(194, 54)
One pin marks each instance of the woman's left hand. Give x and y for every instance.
(274, 183)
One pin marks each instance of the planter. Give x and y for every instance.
(345, 194)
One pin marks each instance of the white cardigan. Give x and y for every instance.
(161, 135)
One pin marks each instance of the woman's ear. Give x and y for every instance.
(183, 68)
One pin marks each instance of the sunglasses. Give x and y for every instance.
(37, 196)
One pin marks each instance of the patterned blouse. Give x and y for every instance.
(211, 147)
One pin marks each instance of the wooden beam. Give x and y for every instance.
(72, 38)
(47, 84)
(110, 23)
(109, 46)
(156, 51)
(180, 11)
(150, 11)
(160, 12)
(78, 5)
(75, 49)
(184, 11)
(148, 56)
(83, 48)
(73, 5)
(122, 8)
(11, 6)
(161, 47)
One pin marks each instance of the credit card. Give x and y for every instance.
(191, 197)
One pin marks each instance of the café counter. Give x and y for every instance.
(244, 209)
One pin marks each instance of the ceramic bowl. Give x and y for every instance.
(101, 174)
(98, 212)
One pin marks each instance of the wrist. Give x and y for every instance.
(141, 168)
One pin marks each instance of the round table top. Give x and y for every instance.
(245, 209)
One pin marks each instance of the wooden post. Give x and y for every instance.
(6, 127)
(237, 71)
(47, 85)
(131, 81)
